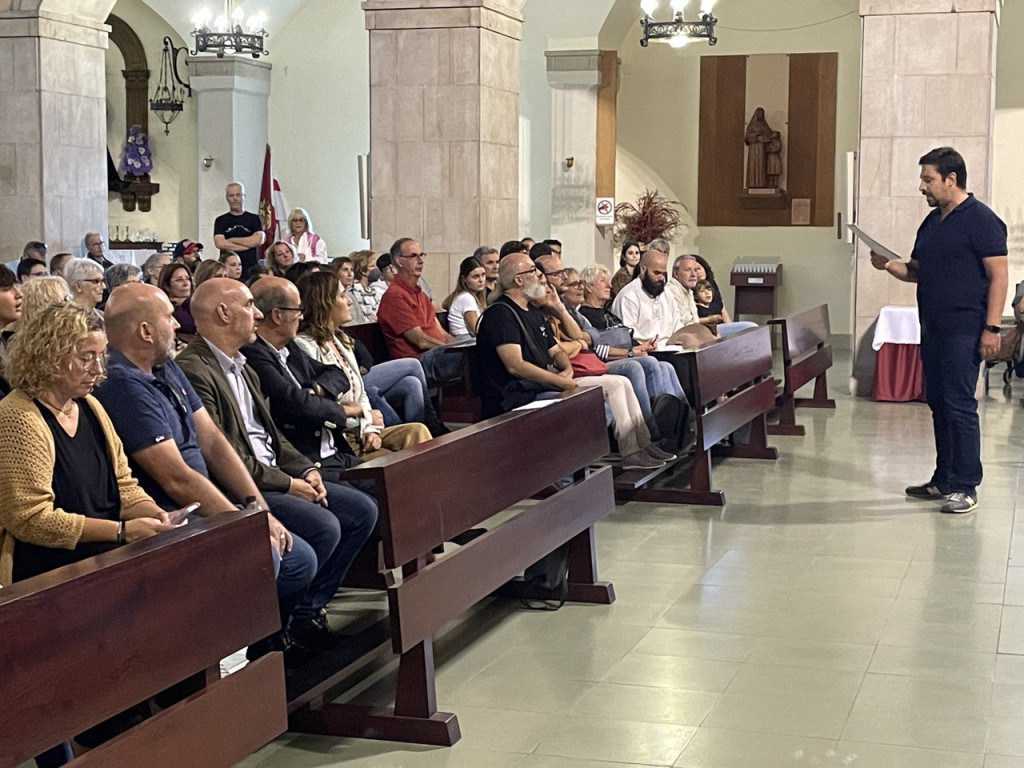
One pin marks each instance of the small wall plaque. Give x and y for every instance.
(800, 213)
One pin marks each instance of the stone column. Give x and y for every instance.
(53, 175)
(574, 77)
(231, 102)
(444, 127)
(927, 80)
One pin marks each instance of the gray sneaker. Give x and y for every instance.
(641, 460)
(925, 491)
(659, 454)
(958, 503)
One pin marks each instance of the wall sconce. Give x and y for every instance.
(207, 162)
(569, 162)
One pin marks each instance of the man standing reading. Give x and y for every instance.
(959, 265)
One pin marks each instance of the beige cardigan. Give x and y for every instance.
(27, 456)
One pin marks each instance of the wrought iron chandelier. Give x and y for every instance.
(677, 32)
(169, 97)
(231, 32)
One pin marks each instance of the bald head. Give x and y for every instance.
(510, 267)
(225, 314)
(278, 301)
(272, 292)
(140, 323)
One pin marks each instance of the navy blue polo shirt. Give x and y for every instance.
(952, 286)
(147, 409)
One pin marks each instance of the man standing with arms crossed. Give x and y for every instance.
(239, 230)
(959, 265)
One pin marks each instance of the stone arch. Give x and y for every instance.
(136, 71)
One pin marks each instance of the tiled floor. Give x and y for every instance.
(819, 619)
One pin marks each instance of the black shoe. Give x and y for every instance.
(926, 491)
(438, 428)
(314, 634)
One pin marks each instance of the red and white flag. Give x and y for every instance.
(272, 208)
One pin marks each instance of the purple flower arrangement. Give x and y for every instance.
(136, 160)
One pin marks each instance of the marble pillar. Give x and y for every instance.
(927, 80)
(574, 77)
(231, 101)
(53, 143)
(444, 127)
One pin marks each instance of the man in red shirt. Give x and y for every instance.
(406, 316)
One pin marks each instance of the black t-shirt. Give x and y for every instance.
(952, 285)
(498, 325)
(243, 224)
(601, 318)
(83, 483)
(716, 305)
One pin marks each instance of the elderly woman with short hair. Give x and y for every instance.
(308, 245)
(151, 267)
(119, 274)
(85, 279)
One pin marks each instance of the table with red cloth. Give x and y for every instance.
(897, 342)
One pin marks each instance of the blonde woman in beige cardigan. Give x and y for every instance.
(64, 478)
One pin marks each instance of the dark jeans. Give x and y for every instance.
(336, 533)
(295, 572)
(951, 366)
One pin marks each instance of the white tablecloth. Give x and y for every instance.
(897, 325)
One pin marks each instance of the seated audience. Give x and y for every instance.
(151, 267)
(335, 520)
(513, 246)
(57, 263)
(629, 257)
(119, 274)
(325, 309)
(11, 304)
(189, 253)
(172, 443)
(34, 249)
(232, 264)
(208, 269)
(280, 256)
(488, 258)
(387, 270)
(300, 268)
(516, 349)
(92, 248)
(649, 310)
(29, 268)
(407, 317)
(176, 282)
(703, 295)
(39, 293)
(466, 303)
(85, 281)
(68, 493)
(308, 245)
(717, 317)
(362, 293)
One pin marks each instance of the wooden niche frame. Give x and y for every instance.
(810, 141)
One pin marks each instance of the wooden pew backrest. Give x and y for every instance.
(84, 642)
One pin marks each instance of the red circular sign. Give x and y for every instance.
(604, 207)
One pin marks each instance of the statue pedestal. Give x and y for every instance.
(763, 199)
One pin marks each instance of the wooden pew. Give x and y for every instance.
(738, 370)
(806, 356)
(84, 642)
(428, 494)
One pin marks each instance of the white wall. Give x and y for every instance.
(175, 166)
(658, 121)
(1007, 159)
(320, 116)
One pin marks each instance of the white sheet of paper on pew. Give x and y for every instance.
(535, 404)
(873, 244)
(668, 347)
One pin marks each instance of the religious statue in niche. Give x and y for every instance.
(773, 160)
(757, 139)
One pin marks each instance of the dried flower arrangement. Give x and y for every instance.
(649, 218)
(136, 159)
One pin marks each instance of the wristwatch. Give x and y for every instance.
(630, 352)
(993, 328)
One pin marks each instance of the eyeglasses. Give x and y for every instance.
(574, 284)
(557, 273)
(419, 256)
(289, 309)
(93, 280)
(92, 359)
(531, 271)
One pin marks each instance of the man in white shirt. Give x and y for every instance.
(680, 288)
(652, 313)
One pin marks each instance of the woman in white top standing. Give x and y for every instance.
(308, 245)
(466, 302)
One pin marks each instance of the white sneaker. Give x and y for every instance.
(641, 460)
